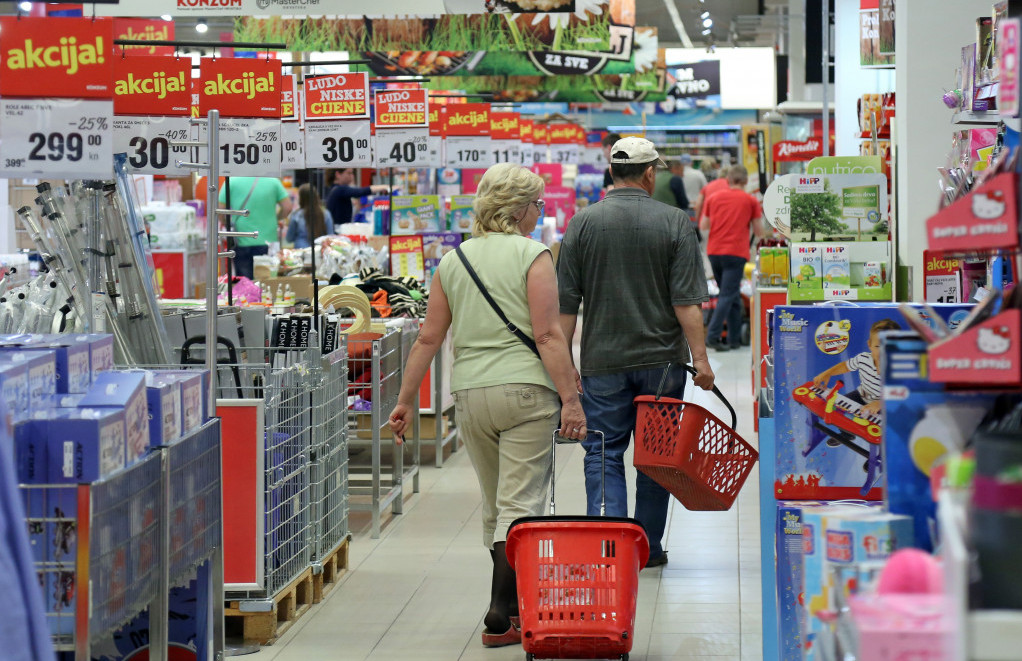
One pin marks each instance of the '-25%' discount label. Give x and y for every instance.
(469, 152)
(338, 143)
(56, 138)
(249, 147)
(149, 143)
(402, 148)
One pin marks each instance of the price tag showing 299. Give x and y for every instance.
(248, 147)
(62, 138)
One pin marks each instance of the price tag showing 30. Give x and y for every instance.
(402, 148)
(56, 138)
(148, 143)
(248, 147)
(338, 143)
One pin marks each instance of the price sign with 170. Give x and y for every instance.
(469, 152)
(249, 147)
(401, 147)
(56, 138)
(338, 143)
(149, 143)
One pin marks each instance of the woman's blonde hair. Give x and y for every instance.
(504, 192)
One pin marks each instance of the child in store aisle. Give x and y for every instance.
(867, 364)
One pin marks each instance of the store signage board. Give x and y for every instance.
(401, 109)
(209, 8)
(592, 156)
(56, 138)
(539, 144)
(467, 136)
(338, 143)
(411, 147)
(564, 154)
(240, 87)
(289, 99)
(145, 29)
(292, 146)
(505, 137)
(147, 141)
(1008, 45)
(56, 58)
(336, 96)
(468, 152)
(152, 85)
(249, 146)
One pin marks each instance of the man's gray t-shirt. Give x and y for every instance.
(631, 259)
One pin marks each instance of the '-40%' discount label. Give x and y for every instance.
(149, 143)
(404, 148)
(56, 138)
(249, 147)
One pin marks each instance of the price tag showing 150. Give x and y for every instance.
(249, 147)
(56, 138)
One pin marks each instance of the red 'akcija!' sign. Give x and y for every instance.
(152, 85)
(240, 87)
(56, 57)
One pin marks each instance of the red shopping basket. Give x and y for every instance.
(690, 452)
(578, 580)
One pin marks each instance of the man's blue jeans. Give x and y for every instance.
(607, 400)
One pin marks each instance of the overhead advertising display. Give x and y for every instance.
(340, 7)
(747, 78)
(575, 89)
(696, 84)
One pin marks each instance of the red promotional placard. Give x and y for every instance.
(147, 30)
(505, 126)
(336, 96)
(525, 130)
(401, 109)
(792, 150)
(472, 119)
(145, 85)
(986, 354)
(436, 127)
(56, 57)
(985, 219)
(539, 133)
(240, 87)
(561, 134)
(289, 98)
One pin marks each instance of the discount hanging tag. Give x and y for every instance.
(402, 148)
(338, 143)
(249, 147)
(56, 138)
(292, 146)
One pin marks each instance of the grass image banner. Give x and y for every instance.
(584, 30)
(572, 89)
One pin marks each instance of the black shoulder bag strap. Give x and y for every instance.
(518, 332)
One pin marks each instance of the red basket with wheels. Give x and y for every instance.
(578, 581)
(691, 452)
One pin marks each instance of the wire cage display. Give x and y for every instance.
(193, 466)
(328, 473)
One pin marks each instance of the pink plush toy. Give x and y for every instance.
(911, 571)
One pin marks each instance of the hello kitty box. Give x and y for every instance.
(987, 354)
(985, 219)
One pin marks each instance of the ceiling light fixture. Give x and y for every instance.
(167, 17)
(25, 6)
(707, 31)
(707, 22)
(705, 14)
(201, 26)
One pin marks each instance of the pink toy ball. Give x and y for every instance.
(911, 571)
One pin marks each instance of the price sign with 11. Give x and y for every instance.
(402, 147)
(506, 151)
(56, 138)
(469, 152)
(340, 142)
(249, 147)
(292, 146)
(148, 142)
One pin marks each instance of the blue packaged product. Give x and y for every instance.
(164, 400)
(101, 349)
(85, 444)
(42, 372)
(125, 390)
(73, 361)
(193, 403)
(14, 388)
(31, 451)
(791, 611)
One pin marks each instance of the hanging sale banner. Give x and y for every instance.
(56, 80)
(152, 102)
(240, 87)
(147, 30)
(339, 96)
(402, 128)
(467, 135)
(289, 99)
(338, 143)
(564, 139)
(401, 109)
(505, 137)
(539, 143)
(525, 133)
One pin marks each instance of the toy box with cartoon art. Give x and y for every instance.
(829, 422)
(791, 611)
(434, 247)
(414, 214)
(985, 219)
(925, 422)
(461, 213)
(985, 354)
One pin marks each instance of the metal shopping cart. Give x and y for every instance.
(578, 578)
(690, 452)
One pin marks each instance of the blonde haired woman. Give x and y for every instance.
(508, 400)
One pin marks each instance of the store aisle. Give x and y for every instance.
(420, 591)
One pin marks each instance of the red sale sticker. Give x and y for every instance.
(145, 85)
(337, 96)
(401, 109)
(56, 57)
(240, 87)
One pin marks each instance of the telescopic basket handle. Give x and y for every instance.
(555, 440)
(691, 370)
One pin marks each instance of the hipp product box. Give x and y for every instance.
(414, 214)
(42, 372)
(461, 213)
(828, 398)
(126, 390)
(836, 267)
(163, 397)
(807, 265)
(85, 444)
(873, 274)
(192, 396)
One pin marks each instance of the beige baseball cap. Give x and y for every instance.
(636, 151)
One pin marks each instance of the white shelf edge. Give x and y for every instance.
(994, 635)
(990, 117)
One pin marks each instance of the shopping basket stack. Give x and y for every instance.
(690, 452)
(578, 579)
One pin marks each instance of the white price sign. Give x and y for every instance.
(539, 154)
(592, 156)
(56, 138)
(506, 151)
(469, 152)
(292, 146)
(564, 154)
(148, 143)
(402, 148)
(249, 147)
(338, 143)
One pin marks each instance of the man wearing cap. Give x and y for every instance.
(635, 263)
(693, 179)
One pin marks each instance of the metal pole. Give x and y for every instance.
(825, 78)
(212, 250)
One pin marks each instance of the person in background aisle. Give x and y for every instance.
(729, 216)
(508, 397)
(710, 169)
(715, 186)
(268, 203)
(608, 142)
(669, 189)
(338, 200)
(634, 262)
(310, 220)
(693, 179)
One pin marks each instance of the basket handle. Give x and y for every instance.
(555, 440)
(691, 370)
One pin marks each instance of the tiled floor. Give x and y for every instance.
(419, 592)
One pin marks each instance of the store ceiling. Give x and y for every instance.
(735, 22)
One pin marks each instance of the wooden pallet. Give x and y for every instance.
(335, 566)
(265, 627)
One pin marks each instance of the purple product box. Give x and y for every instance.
(164, 400)
(73, 369)
(124, 389)
(14, 388)
(101, 350)
(42, 372)
(193, 385)
(31, 451)
(85, 444)
(434, 247)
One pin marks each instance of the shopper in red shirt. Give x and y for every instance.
(715, 186)
(729, 215)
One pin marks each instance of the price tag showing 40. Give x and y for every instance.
(56, 138)
(402, 148)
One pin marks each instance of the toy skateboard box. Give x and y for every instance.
(828, 398)
(926, 421)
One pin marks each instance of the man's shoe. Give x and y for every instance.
(658, 561)
(717, 345)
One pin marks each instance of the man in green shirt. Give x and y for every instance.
(267, 202)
